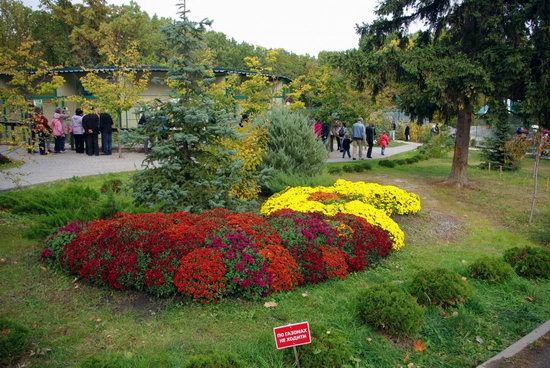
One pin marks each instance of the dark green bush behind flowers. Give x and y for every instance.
(440, 287)
(388, 308)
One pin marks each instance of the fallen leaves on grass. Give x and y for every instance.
(270, 304)
(419, 346)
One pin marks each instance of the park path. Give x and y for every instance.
(38, 169)
(336, 156)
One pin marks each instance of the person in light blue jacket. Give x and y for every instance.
(358, 138)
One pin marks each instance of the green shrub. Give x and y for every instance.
(490, 269)
(215, 360)
(348, 168)
(365, 165)
(529, 262)
(386, 163)
(14, 340)
(400, 161)
(281, 181)
(335, 169)
(440, 287)
(292, 147)
(388, 308)
(328, 348)
(357, 168)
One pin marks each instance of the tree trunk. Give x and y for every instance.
(459, 174)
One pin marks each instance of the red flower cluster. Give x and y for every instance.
(219, 253)
(201, 275)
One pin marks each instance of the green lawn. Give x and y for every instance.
(71, 321)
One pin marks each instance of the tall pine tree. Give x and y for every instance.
(188, 168)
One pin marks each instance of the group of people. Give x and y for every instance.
(83, 130)
(360, 136)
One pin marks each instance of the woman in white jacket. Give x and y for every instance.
(78, 130)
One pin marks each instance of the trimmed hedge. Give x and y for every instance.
(529, 262)
(490, 269)
(390, 309)
(440, 287)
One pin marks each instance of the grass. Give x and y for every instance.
(76, 320)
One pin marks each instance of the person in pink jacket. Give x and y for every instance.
(58, 129)
(383, 141)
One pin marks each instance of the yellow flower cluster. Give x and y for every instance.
(373, 202)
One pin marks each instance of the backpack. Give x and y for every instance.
(341, 132)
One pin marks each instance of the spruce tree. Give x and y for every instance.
(188, 168)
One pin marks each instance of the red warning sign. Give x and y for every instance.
(292, 335)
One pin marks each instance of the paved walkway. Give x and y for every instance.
(41, 169)
(38, 169)
(390, 151)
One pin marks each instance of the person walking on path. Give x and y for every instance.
(370, 134)
(106, 129)
(342, 132)
(407, 133)
(90, 123)
(78, 130)
(358, 136)
(346, 145)
(383, 142)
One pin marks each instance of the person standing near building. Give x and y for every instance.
(78, 130)
(407, 133)
(392, 130)
(90, 123)
(106, 129)
(60, 128)
(358, 137)
(42, 128)
(370, 134)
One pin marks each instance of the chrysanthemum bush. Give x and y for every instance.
(217, 254)
(373, 202)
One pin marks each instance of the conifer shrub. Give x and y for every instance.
(112, 185)
(390, 309)
(14, 340)
(400, 161)
(348, 168)
(529, 262)
(328, 348)
(357, 168)
(490, 269)
(214, 360)
(440, 287)
(335, 169)
(386, 163)
(292, 147)
(365, 165)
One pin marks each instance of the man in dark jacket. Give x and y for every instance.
(90, 123)
(106, 129)
(370, 132)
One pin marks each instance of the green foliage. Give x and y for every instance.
(188, 168)
(388, 308)
(52, 207)
(280, 181)
(111, 185)
(14, 340)
(490, 269)
(56, 243)
(437, 146)
(335, 169)
(107, 361)
(292, 147)
(214, 360)
(440, 287)
(387, 163)
(328, 348)
(529, 262)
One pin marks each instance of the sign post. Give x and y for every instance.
(291, 336)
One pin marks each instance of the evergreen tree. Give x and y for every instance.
(188, 167)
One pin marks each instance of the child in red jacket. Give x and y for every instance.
(383, 141)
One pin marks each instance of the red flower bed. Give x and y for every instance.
(201, 275)
(217, 253)
(283, 268)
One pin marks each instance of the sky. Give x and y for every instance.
(299, 26)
